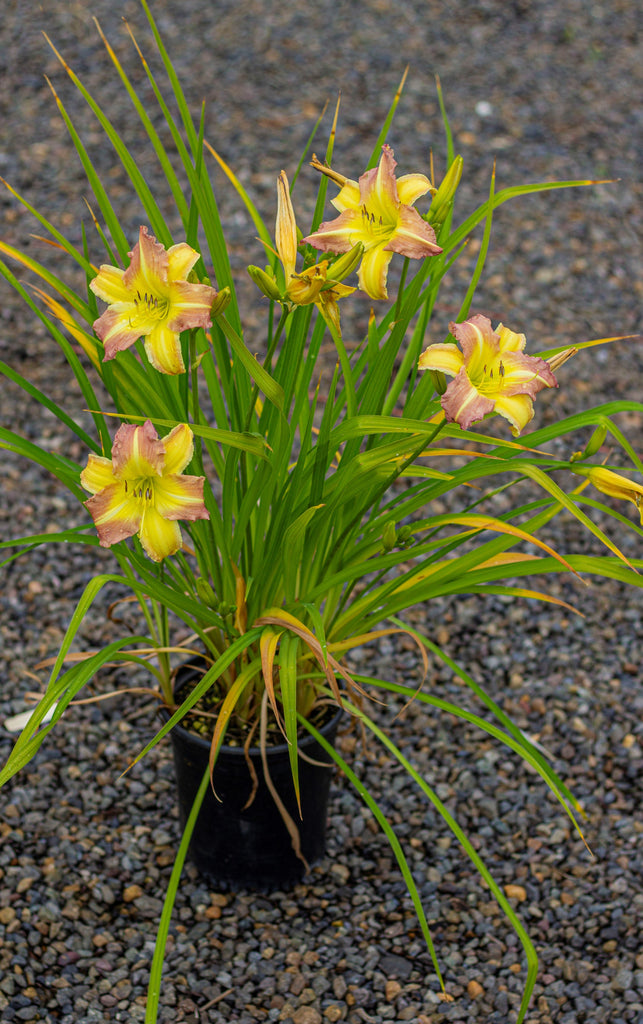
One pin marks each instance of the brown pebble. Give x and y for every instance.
(131, 893)
(298, 984)
(516, 892)
(333, 1013)
(392, 990)
(7, 914)
(474, 989)
(307, 1015)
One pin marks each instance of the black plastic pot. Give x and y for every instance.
(250, 845)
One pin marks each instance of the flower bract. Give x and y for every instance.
(491, 374)
(152, 299)
(141, 489)
(378, 211)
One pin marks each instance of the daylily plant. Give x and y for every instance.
(141, 489)
(331, 458)
(152, 299)
(377, 211)
(492, 374)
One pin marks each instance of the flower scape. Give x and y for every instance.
(280, 507)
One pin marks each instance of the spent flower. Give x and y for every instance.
(614, 485)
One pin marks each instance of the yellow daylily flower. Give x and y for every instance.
(377, 211)
(314, 284)
(613, 484)
(141, 489)
(492, 374)
(152, 299)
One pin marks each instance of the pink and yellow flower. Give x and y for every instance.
(491, 374)
(153, 300)
(377, 211)
(141, 489)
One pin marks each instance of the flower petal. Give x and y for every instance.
(180, 260)
(116, 514)
(518, 409)
(378, 189)
(479, 344)
(108, 285)
(137, 452)
(159, 537)
(180, 497)
(329, 309)
(179, 449)
(190, 305)
(97, 474)
(411, 186)
(462, 404)
(444, 357)
(373, 270)
(335, 235)
(163, 348)
(348, 198)
(114, 328)
(149, 265)
(413, 236)
(509, 340)
(526, 374)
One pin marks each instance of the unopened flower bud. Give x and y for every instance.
(221, 302)
(265, 283)
(346, 263)
(443, 199)
(206, 593)
(439, 380)
(593, 445)
(226, 609)
(389, 537)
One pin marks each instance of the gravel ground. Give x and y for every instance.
(549, 90)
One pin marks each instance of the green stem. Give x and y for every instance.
(267, 363)
(196, 408)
